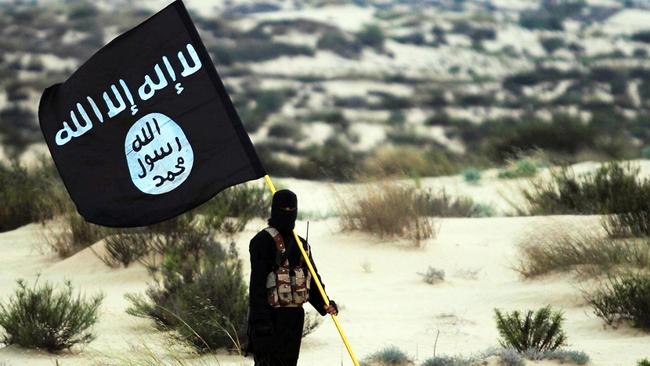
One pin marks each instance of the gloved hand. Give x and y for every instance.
(332, 308)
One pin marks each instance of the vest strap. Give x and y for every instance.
(281, 259)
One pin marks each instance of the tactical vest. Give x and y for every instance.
(285, 286)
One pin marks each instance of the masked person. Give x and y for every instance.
(280, 283)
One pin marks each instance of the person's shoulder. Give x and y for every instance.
(261, 235)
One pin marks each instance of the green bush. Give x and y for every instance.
(334, 160)
(47, 318)
(551, 44)
(333, 117)
(521, 168)
(472, 175)
(18, 130)
(243, 201)
(440, 204)
(534, 20)
(644, 362)
(563, 135)
(624, 297)
(372, 36)
(255, 106)
(28, 195)
(338, 43)
(645, 152)
(408, 161)
(389, 356)
(539, 330)
(255, 50)
(285, 131)
(198, 290)
(642, 36)
(614, 188)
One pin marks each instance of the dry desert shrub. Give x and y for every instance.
(553, 247)
(387, 210)
(399, 161)
(624, 297)
(49, 317)
(226, 214)
(73, 234)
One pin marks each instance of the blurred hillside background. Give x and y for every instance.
(328, 89)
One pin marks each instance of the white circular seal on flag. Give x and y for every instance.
(158, 154)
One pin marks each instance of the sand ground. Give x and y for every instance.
(377, 284)
(383, 299)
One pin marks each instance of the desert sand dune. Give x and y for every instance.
(383, 299)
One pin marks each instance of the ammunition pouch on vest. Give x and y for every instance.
(285, 286)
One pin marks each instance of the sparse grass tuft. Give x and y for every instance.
(510, 357)
(47, 318)
(506, 357)
(441, 204)
(562, 355)
(312, 321)
(433, 275)
(539, 330)
(144, 355)
(389, 356)
(552, 249)
(448, 361)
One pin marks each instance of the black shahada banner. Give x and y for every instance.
(144, 130)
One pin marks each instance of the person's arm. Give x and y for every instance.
(315, 298)
(261, 265)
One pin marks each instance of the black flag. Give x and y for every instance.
(144, 130)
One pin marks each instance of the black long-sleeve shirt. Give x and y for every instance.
(262, 254)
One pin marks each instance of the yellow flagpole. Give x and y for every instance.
(269, 183)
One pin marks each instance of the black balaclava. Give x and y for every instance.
(281, 219)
